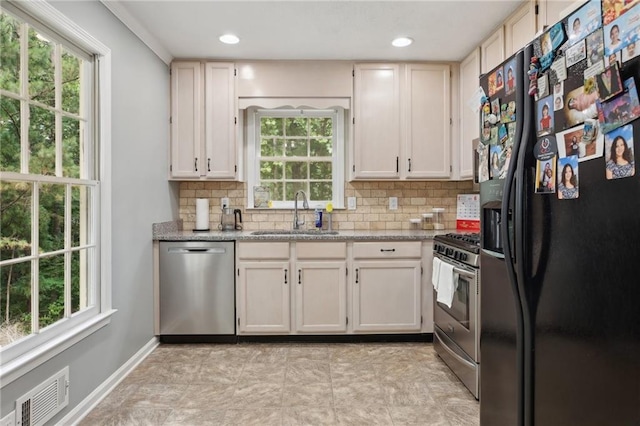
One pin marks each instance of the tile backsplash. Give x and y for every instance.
(372, 201)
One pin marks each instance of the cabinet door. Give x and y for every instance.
(492, 50)
(321, 296)
(469, 120)
(428, 115)
(520, 28)
(386, 295)
(220, 120)
(552, 11)
(263, 297)
(376, 121)
(186, 120)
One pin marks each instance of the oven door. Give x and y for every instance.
(459, 321)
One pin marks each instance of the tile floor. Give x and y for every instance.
(289, 384)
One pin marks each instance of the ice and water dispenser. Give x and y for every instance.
(491, 227)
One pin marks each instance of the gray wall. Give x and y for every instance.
(141, 195)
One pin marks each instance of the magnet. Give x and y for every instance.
(534, 68)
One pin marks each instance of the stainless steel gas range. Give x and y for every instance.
(457, 327)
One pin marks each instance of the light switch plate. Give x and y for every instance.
(393, 203)
(351, 203)
(224, 202)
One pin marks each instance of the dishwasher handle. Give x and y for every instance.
(185, 250)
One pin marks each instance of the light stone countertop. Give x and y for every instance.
(170, 231)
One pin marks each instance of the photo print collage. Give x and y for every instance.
(498, 117)
(583, 105)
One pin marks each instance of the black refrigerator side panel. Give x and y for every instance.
(584, 292)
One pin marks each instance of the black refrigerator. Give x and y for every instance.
(560, 288)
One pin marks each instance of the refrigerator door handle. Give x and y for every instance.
(510, 212)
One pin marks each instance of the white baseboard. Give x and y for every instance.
(81, 410)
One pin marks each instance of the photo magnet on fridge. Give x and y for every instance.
(612, 9)
(496, 162)
(580, 105)
(609, 83)
(568, 178)
(548, 42)
(621, 110)
(545, 118)
(595, 47)
(618, 151)
(584, 21)
(510, 80)
(585, 140)
(546, 176)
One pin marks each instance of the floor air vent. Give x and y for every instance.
(37, 406)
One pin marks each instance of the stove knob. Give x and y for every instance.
(464, 256)
(449, 251)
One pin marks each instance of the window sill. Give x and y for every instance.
(23, 364)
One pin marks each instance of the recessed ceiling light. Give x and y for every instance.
(229, 39)
(402, 41)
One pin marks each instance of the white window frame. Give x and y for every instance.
(35, 349)
(253, 151)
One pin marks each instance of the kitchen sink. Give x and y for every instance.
(294, 232)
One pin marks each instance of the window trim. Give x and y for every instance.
(253, 146)
(36, 349)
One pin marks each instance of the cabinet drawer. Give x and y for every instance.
(275, 250)
(387, 250)
(322, 251)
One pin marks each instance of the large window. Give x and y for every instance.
(49, 185)
(292, 150)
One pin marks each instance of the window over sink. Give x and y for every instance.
(296, 149)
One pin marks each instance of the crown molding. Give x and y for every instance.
(138, 29)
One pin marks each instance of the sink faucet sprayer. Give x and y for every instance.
(305, 205)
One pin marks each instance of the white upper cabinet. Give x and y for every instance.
(187, 126)
(492, 50)
(520, 28)
(469, 120)
(551, 11)
(203, 121)
(402, 121)
(428, 126)
(376, 146)
(220, 120)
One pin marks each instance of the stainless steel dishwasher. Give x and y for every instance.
(197, 288)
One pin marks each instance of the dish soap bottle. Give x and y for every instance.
(318, 217)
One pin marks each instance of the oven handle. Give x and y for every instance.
(457, 269)
(443, 340)
(469, 273)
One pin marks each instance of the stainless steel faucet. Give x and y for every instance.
(305, 205)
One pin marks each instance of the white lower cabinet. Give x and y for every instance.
(263, 288)
(321, 297)
(316, 288)
(386, 296)
(387, 282)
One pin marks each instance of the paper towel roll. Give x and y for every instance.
(202, 214)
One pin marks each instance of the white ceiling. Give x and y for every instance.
(444, 30)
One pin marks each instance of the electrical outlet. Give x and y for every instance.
(224, 202)
(393, 203)
(351, 203)
(9, 419)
